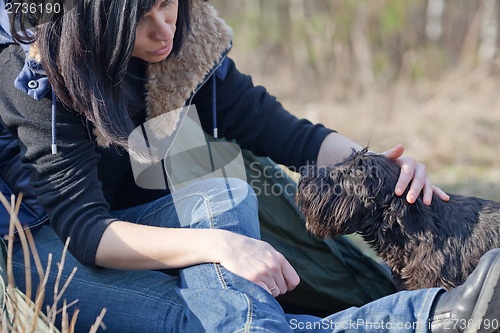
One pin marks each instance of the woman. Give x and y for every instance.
(113, 64)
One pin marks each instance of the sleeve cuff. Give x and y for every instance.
(93, 242)
(310, 156)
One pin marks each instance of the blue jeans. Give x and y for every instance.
(205, 297)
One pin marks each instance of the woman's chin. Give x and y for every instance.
(155, 58)
(151, 57)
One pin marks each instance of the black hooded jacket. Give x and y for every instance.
(78, 186)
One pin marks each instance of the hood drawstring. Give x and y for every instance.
(214, 107)
(54, 146)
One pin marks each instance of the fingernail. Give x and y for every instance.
(399, 191)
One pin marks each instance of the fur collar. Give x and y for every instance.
(173, 80)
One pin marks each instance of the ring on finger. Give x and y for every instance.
(276, 286)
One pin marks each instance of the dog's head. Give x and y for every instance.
(354, 195)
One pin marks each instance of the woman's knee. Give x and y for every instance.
(219, 203)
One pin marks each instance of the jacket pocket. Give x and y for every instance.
(29, 217)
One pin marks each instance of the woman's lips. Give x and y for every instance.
(164, 50)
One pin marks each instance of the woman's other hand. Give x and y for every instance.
(416, 173)
(257, 261)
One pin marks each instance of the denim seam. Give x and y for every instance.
(212, 226)
(106, 286)
(157, 210)
(219, 275)
(249, 314)
(253, 328)
(422, 310)
(218, 269)
(209, 208)
(172, 202)
(210, 214)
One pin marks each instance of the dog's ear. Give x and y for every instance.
(367, 179)
(382, 175)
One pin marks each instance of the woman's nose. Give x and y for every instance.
(162, 30)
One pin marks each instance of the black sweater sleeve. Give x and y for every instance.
(66, 184)
(258, 121)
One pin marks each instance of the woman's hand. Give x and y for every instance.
(416, 173)
(257, 261)
(335, 148)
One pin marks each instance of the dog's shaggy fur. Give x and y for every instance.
(436, 246)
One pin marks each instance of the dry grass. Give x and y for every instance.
(22, 314)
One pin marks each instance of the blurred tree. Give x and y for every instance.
(434, 27)
(489, 31)
(358, 44)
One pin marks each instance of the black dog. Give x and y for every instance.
(436, 246)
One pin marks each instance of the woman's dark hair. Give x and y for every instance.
(85, 50)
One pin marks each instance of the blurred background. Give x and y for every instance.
(424, 73)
